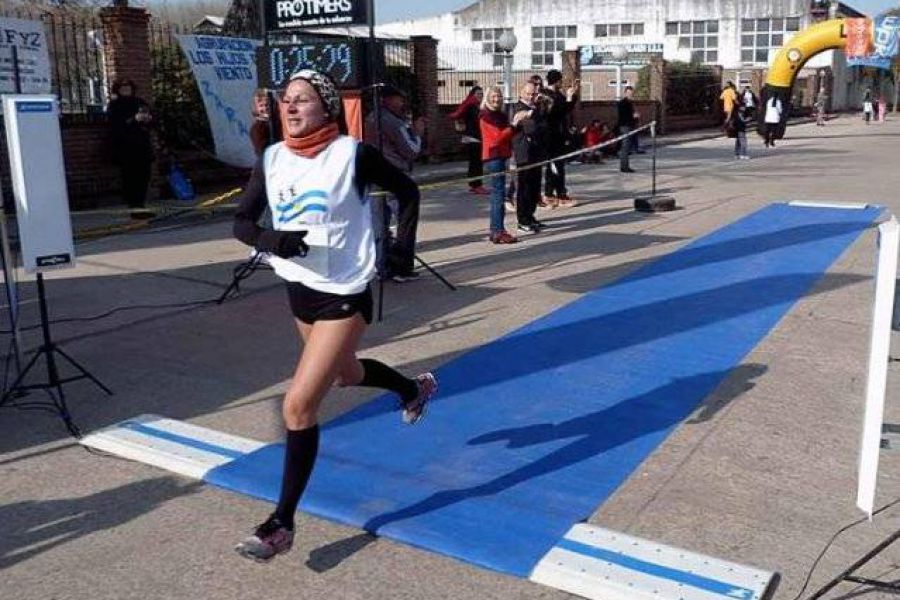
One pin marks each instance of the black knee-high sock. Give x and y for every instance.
(299, 457)
(377, 374)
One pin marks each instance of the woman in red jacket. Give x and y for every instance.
(496, 149)
(466, 122)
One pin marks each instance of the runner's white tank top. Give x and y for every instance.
(320, 195)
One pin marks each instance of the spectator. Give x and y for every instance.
(467, 123)
(868, 107)
(882, 108)
(561, 105)
(749, 101)
(132, 146)
(627, 122)
(593, 135)
(739, 120)
(772, 118)
(530, 122)
(821, 103)
(511, 192)
(729, 98)
(496, 135)
(259, 131)
(401, 143)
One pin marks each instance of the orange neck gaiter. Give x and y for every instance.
(310, 145)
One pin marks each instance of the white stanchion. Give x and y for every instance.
(879, 349)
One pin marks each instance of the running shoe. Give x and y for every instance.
(415, 410)
(270, 539)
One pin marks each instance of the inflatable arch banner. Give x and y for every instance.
(857, 37)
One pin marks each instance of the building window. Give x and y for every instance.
(548, 42)
(700, 37)
(619, 30)
(488, 39)
(759, 36)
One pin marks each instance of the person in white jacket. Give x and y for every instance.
(774, 110)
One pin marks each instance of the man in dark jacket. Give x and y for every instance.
(627, 123)
(401, 144)
(529, 147)
(555, 193)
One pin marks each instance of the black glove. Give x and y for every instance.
(291, 244)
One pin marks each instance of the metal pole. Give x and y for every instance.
(507, 80)
(382, 202)
(271, 105)
(618, 82)
(653, 162)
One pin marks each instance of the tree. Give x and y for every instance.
(242, 19)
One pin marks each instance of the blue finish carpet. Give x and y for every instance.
(533, 431)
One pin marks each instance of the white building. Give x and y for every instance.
(739, 35)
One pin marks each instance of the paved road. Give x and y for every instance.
(762, 474)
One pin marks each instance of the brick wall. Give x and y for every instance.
(91, 177)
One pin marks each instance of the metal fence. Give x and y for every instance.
(75, 49)
(461, 68)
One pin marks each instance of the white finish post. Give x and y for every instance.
(879, 347)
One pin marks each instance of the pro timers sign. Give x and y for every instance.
(341, 59)
(285, 15)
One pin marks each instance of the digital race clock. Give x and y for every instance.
(343, 59)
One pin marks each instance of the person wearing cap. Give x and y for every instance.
(315, 184)
(401, 144)
(555, 193)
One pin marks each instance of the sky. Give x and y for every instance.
(395, 10)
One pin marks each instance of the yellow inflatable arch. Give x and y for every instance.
(827, 35)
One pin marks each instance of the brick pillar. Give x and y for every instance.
(425, 66)
(658, 85)
(127, 47)
(571, 70)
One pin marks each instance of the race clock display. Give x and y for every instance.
(342, 59)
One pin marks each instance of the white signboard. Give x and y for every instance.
(225, 70)
(39, 181)
(34, 63)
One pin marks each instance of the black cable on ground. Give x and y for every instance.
(115, 310)
(832, 540)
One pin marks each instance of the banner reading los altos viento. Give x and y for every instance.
(225, 70)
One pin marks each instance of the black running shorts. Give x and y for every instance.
(311, 305)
